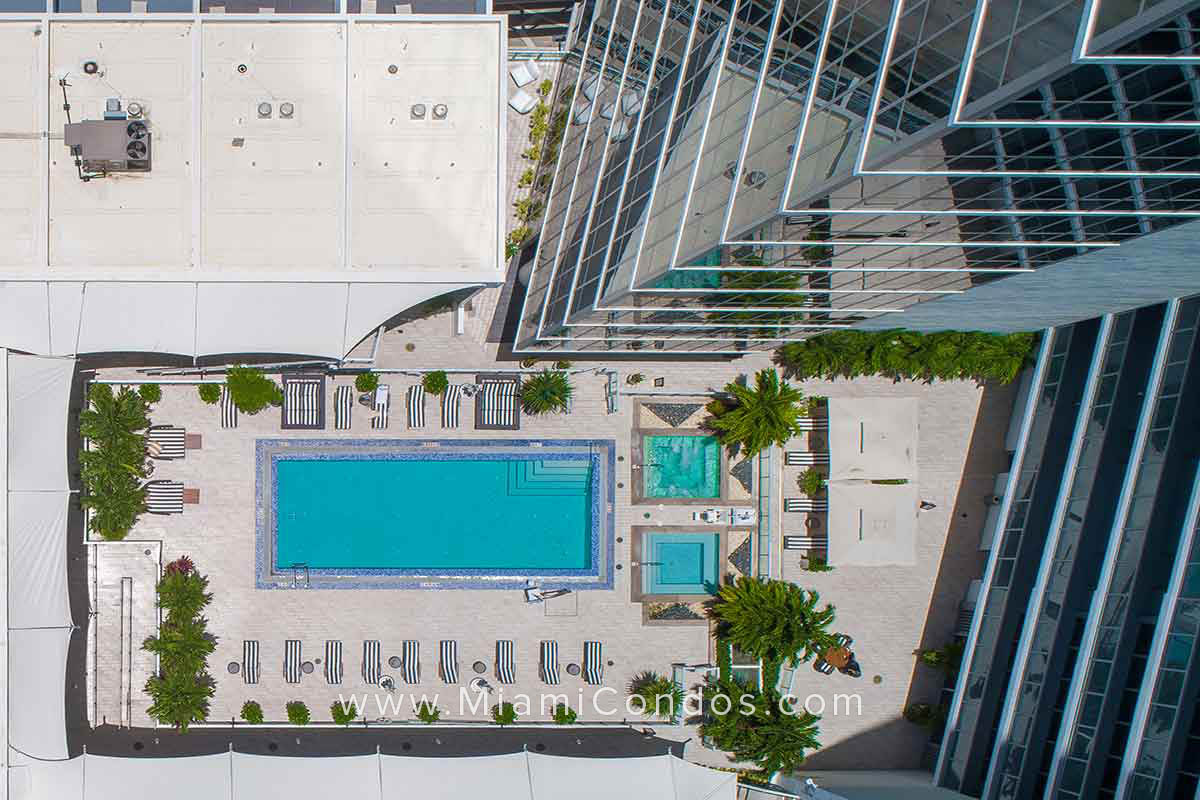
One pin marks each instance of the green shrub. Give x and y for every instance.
(545, 87)
(926, 715)
(342, 713)
(428, 713)
(564, 715)
(545, 392)
(150, 393)
(251, 390)
(435, 382)
(908, 355)
(811, 482)
(658, 695)
(817, 563)
(209, 393)
(947, 658)
(114, 466)
(528, 363)
(562, 364)
(252, 712)
(366, 381)
(504, 714)
(181, 690)
(526, 178)
(635, 379)
(297, 713)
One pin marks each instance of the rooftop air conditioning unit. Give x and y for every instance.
(103, 146)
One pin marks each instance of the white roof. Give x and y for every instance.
(519, 776)
(241, 210)
(872, 524)
(872, 438)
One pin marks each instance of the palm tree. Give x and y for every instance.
(545, 392)
(659, 696)
(756, 726)
(773, 620)
(179, 699)
(758, 417)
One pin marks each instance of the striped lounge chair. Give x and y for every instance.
(333, 662)
(497, 407)
(506, 671)
(343, 402)
(250, 665)
(166, 442)
(415, 400)
(548, 663)
(291, 661)
(805, 504)
(450, 402)
(410, 661)
(804, 458)
(383, 399)
(593, 663)
(303, 402)
(813, 423)
(164, 497)
(372, 663)
(805, 542)
(448, 662)
(229, 412)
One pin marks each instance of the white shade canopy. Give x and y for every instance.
(325, 319)
(39, 392)
(37, 560)
(37, 688)
(872, 438)
(518, 776)
(872, 524)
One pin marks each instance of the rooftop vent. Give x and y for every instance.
(440, 111)
(417, 111)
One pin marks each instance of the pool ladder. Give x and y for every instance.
(297, 570)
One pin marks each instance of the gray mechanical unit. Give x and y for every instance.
(110, 145)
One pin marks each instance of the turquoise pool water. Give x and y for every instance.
(681, 466)
(460, 515)
(681, 563)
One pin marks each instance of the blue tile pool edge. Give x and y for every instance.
(266, 458)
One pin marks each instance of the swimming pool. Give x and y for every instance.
(681, 466)
(404, 514)
(681, 563)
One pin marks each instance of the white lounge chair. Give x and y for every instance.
(548, 663)
(593, 663)
(522, 101)
(450, 403)
(410, 666)
(250, 665)
(164, 497)
(382, 400)
(291, 661)
(415, 399)
(448, 663)
(166, 442)
(372, 663)
(524, 73)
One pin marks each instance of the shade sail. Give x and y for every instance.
(196, 778)
(39, 391)
(37, 560)
(24, 319)
(501, 777)
(872, 438)
(138, 317)
(872, 524)
(37, 681)
(322, 319)
(236, 776)
(257, 777)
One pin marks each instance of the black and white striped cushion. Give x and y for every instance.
(416, 406)
(411, 661)
(229, 412)
(170, 440)
(505, 669)
(450, 402)
(372, 666)
(593, 666)
(449, 661)
(291, 661)
(250, 661)
(333, 661)
(549, 663)
(343, 402)
(164, 497)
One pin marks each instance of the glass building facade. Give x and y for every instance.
(1079, 678)
(727, 175)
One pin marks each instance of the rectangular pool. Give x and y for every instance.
(431, 517)
(681, 466)
(681, 563)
